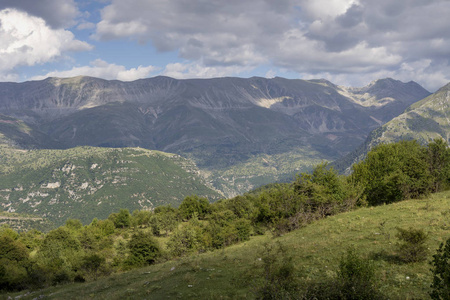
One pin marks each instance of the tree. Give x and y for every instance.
(323, 190)
(144, 250)
(194, 205)
(74, 224)
(321, 185)
(141, 218)
(441, 272)
(59, 256)
(394, 172)
(13, 262)
(241, 206)
(439, 164)
(123, 219)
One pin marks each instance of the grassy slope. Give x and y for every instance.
(317, 248)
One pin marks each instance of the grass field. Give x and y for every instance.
(316, 249)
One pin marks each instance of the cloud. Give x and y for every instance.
(102, 69)
(196, 70)
(85, 25)
(214, 32)
(336, 37)
(56, 13)
(28, 41)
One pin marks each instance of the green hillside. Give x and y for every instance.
(423, 121)
(316, 249)
(88, 182)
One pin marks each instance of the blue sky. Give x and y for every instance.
(349, 42)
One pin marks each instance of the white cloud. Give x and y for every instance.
(322, 9)
(196, 70)
(27, 41)
(102, 69)
(335, 37)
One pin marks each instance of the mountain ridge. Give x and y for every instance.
(220, 123)
(423, 121)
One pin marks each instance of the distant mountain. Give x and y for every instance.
(423, 121)
(223, 124)
(87, 182)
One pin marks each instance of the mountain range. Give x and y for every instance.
(240, 132)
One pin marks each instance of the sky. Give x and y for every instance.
(348, 42)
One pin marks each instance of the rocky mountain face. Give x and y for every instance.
(220, 123)
(423, 121)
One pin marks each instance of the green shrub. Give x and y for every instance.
(441, 272)
(186, 240)
(92, 266)
(356, 277)
(412, 246)
(144, 250)
(278, 278)
(243, 229)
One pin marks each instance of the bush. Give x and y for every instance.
(356, 277)
(412, 247)
(144, 250)
(186, 239)
(243, 228)
(279, 280)
(441, 272)
(93, 265)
